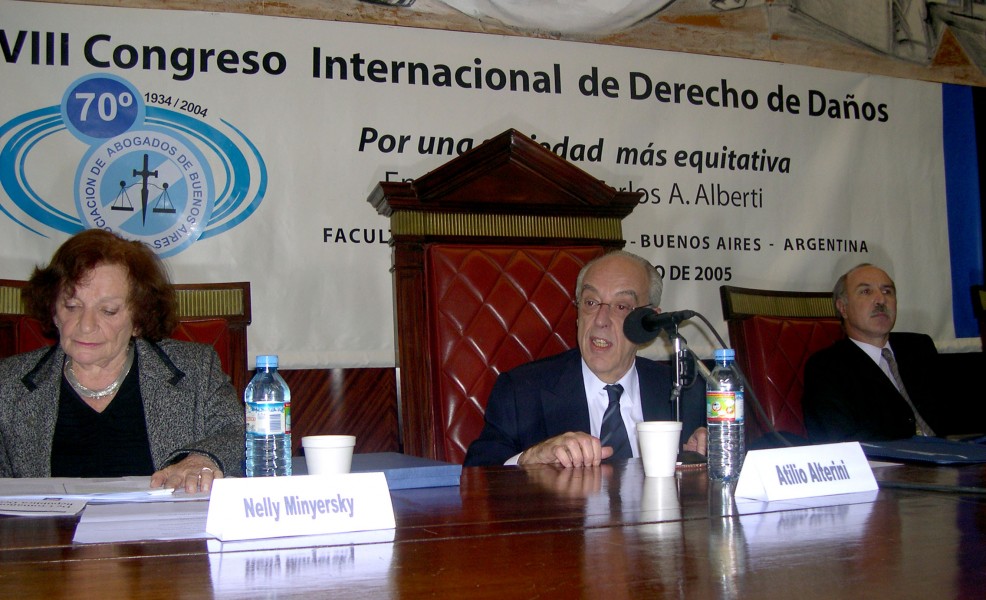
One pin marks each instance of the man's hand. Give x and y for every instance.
(572, 449)
(194, 473)
(698, 441)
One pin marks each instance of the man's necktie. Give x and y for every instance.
(614, 432)
(921, 428)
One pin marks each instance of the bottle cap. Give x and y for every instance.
(725, 354)
(265, 361)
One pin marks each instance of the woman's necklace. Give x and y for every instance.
(106, 391)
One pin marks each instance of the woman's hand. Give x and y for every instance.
(194, 473)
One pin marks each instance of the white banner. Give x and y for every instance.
(264, 136)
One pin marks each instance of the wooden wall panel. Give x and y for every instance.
(360, 402)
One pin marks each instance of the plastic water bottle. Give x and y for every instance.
(724, 413)
(268, 422)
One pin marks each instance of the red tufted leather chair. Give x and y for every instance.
(494, 308)
(214, 314)
(774, 333)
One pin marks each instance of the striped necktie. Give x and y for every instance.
(614, 432)
(920, 427)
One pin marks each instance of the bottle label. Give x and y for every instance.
(722, 407)
(265, 418)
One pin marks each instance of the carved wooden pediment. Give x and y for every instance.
(507, 174)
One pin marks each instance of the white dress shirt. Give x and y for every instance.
(630, 407)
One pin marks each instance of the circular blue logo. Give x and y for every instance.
(147, 184)
(98, 107)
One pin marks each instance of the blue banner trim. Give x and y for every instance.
(963, 204)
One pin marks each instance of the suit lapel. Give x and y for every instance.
(563, 401)
(908, 356)
(158, 395)
(655, 393)
(39, 412)
(869, 370)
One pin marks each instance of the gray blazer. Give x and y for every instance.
(189, 404)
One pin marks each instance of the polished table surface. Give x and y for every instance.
(543, 532)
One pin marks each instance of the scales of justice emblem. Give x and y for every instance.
(170, 175)
(162, 205)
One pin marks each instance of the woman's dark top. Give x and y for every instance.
(112, 443)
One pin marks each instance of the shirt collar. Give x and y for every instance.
(874, 352)
(594, 385)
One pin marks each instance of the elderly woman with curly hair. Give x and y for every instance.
(115, 397)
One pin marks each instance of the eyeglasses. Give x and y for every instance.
(591, 306)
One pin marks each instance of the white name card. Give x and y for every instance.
(266, 507)
(804, 472)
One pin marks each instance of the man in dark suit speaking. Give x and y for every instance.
(874, 384)
(581, 407)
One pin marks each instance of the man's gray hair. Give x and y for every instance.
(655, 289)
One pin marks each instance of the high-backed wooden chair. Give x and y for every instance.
(774, 333)
(210, 313)
(486, 251)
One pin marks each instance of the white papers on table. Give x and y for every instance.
(142, 521)
(40, 508)
(92, 490)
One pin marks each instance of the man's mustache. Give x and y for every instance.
(880, 309)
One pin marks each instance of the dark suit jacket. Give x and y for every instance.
(848, 398)
(545, 398)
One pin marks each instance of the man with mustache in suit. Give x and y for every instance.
(872, 385)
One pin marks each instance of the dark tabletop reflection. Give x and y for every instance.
(539, 532)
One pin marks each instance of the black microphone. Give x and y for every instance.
(643, 324)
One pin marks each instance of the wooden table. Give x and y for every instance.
(550, 533)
